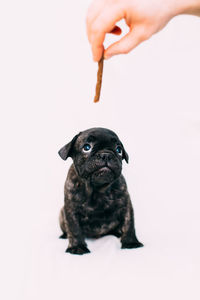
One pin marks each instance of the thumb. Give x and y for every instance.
(132, 39)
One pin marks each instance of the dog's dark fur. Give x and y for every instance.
(97, 202)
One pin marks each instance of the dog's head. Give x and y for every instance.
(97, 154)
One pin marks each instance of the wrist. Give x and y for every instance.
(191, 7)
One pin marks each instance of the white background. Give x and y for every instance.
(151, 99)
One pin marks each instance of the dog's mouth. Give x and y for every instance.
(104, 169)
(102, 175)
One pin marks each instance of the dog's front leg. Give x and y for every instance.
(128, 238)
(77, 244)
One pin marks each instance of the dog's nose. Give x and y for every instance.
(105, 156)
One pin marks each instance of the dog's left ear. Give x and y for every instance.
(67, 150)
(125, 155)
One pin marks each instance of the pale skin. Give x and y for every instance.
(143, 17)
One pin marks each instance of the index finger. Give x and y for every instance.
(104, 23)
(97, 45)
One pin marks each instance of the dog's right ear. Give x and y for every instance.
(67, 150)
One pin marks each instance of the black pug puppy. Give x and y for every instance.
(97, 202)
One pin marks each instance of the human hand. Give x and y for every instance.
(143, 17)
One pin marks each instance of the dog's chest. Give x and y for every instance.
(100, 213)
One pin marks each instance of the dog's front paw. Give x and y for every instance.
(63, 236)
(131, 244)
(80, 249)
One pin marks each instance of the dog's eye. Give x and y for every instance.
(86, 148)
(119, 150)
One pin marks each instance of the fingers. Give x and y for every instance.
(132, 39)
(97, 42)
(98, 52)
(93, 11)
(97, 27)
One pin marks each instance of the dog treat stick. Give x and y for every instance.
(99, 80)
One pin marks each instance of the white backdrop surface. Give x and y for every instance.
(151, 99)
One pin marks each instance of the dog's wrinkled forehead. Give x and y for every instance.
(102, 136)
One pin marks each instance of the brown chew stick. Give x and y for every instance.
(99, 80)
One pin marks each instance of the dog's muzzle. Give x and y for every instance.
(107, 169)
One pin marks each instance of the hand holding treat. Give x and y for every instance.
(143, 17)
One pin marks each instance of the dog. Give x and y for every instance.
(96, 199)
